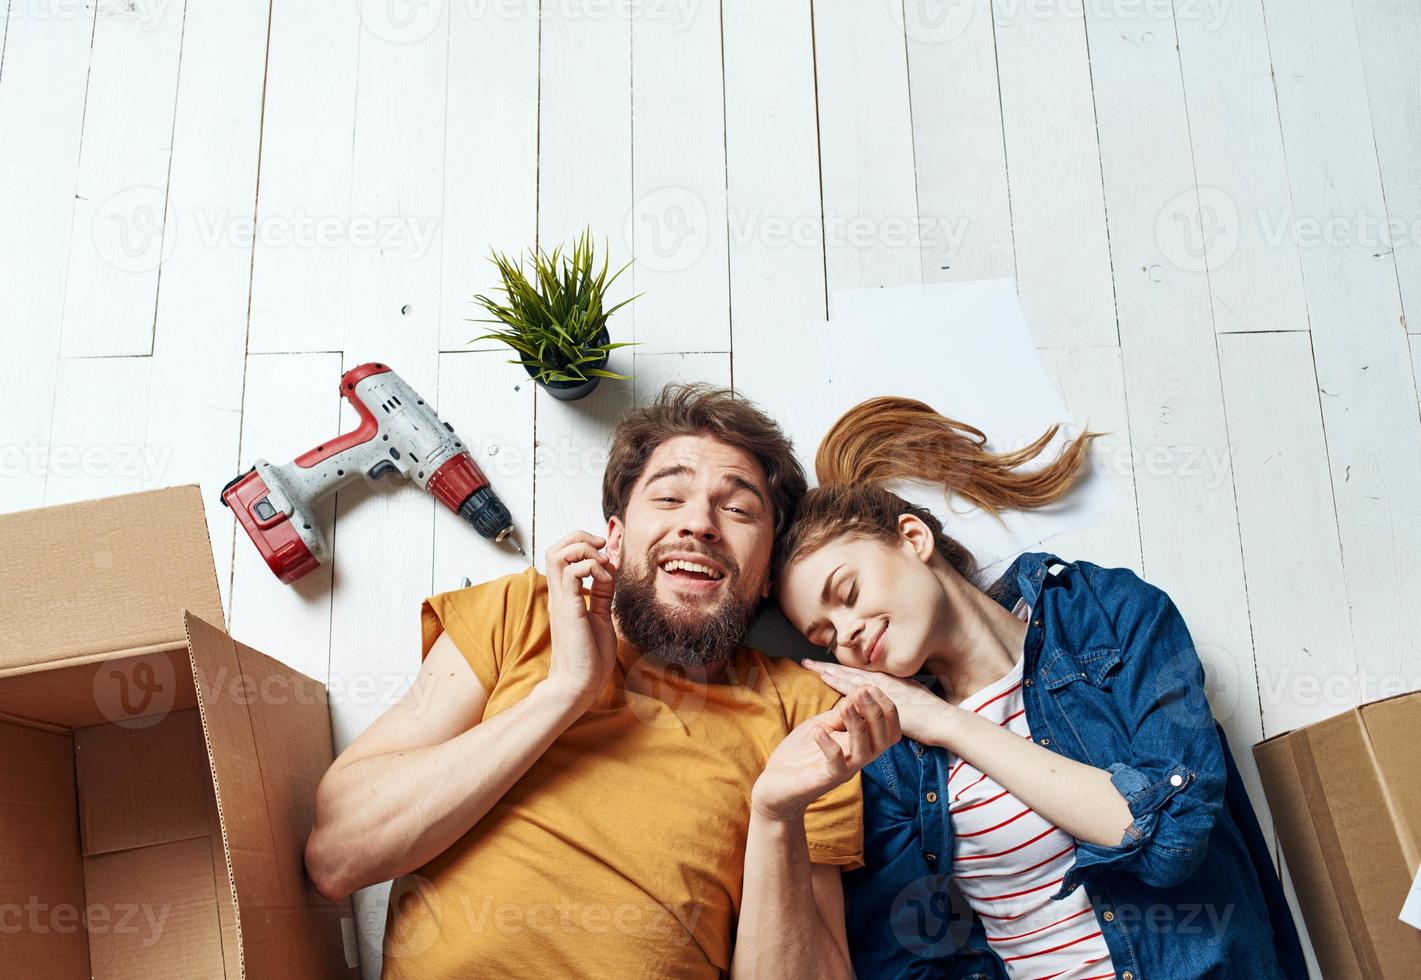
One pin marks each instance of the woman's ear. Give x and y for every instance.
(917, 536)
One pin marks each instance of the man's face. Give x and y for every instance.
(692, 551)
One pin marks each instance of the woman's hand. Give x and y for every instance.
(922, 713)
(825, 752)
(584, 639)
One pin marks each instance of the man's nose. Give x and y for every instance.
(698, 521)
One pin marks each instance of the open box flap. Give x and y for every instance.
(86, 579)
(269, 742)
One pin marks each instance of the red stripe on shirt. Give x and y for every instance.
(966, 788)
(988, 830)
(1024, 891)
(993, 700)
(973, 806)
(1066, 850)
(1043, 952)
(979, 857)
(1023, 935)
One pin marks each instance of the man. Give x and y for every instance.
(608, 784)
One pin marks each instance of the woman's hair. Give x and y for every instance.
(899, 438)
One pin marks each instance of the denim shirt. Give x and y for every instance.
(1111, 679)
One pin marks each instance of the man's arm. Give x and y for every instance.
(417, 779)
(423, 774)
(792, 911)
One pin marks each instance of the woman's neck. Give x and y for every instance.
(979, 646)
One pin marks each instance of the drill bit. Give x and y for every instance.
(513, 541)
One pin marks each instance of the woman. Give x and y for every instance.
(1060, 766)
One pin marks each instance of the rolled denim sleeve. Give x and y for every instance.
(1174, 772)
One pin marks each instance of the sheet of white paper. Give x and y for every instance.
(1411, 911)
(965, 349)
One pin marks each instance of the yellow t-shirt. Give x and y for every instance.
(620, 853)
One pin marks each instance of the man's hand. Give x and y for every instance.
(584, 639)
(825, 752)
(922, 713)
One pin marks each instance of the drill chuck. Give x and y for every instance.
(487, 514)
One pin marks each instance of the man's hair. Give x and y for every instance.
(695, 410)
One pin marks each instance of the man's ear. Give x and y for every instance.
(614, 540)
(917, 536)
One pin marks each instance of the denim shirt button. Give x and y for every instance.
(1027, 682)
(1108, 916)
(930, 857)
(1176, 780)
(1045, 741)
(1127, 975)
(931, 797)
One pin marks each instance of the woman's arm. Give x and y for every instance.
(1078, 798)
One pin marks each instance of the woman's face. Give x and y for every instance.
(873, 604)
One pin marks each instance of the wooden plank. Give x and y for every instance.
(677, 225)
(958, 145)
(655, 371)
(1063, 259)
(1229, 224)
(490, 404)
(384, 551)
(99, 445)
(117, 238)
(306, 221)
(1389, 34)
(490, 155)
(776, 266)
(1189, 538)
(38, 159)
(870, 207)
(1297, 596)
(585, 103)
(290, 405)
(1092, 384)
(1360, 348)
(195, 400)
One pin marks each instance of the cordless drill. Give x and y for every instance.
(399, 434)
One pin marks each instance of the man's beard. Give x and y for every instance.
(681, 634)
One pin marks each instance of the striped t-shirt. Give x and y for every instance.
(1009, 861)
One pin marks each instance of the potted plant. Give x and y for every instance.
(556, 322)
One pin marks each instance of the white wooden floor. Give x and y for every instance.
(1213, 212)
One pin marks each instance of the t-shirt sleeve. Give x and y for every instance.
(833, 823)
(482, 620)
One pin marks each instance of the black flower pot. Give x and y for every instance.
(571, 391)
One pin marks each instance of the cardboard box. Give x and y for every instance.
(157, 778)
(1346, 800)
